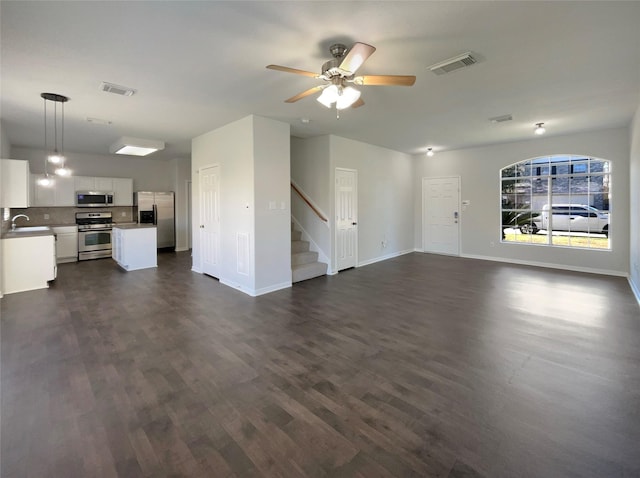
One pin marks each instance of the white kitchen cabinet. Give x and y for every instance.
(66, 243)
(91, 183)
(60, 193)
(65, 192)
(84, 183)
(15, 183)
(134, 246)
(42, 196)
(28, 263)
(103, 184)
(122, 191)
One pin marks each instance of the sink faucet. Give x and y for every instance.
(13, 220)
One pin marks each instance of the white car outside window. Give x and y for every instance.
(574, 218)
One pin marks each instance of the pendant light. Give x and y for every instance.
(539, 129)
(430, 152)
(57, 157)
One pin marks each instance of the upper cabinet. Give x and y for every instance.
(15, 183)
(122, 192)
(62, 192)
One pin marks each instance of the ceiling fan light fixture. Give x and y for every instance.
(348, 97)
(329, 96)
(136, 146)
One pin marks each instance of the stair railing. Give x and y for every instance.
(306, 200)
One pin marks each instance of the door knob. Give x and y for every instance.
(201, 226)
(354, 223)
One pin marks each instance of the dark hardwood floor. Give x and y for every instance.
(419, 366)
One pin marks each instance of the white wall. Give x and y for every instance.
(479, 169)
(181, 174)
(385, 198)
(271, 156)
(148, 174)
(246, 183)
(385, 194)
(634, 211)
(5, 146)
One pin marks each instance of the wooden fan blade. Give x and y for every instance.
(358, 103)
(385, 80)
(357, 55)
(286, 69)
(306, 93)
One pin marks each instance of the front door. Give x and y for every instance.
(441, 215)
(210, 220)
(346, 218)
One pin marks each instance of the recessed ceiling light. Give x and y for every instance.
(136, 146)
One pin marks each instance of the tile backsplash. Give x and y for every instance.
(58, 216)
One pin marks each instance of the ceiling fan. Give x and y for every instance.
(339, 72)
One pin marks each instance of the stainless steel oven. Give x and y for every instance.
(94, 235)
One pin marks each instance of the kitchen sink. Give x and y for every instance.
(31, 229)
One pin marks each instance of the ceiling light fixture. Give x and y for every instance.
(342, 96)
(430, 152)
(57, 157)
(539, 129)
(136, 146)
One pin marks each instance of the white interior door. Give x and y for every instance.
(346, 218)
(210, 220)
(441, 215)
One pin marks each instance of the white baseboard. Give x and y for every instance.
(547, 265)
(258, 292)
(273, 288)
(181, 249)
(635, 289)
(385, 257)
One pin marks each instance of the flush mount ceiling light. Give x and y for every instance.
(539, 129)
(136, 146)
(56, 157)
(430, 152)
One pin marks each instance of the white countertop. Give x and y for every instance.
(133, 226)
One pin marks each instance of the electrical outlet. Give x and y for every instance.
(123, 214)
(46, 217)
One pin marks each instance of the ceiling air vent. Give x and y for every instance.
(501, 119)
(452, 64)
(117, 89)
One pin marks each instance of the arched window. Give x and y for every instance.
(560, 200)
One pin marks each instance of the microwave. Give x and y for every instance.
(94, 199)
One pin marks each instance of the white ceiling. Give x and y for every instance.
(200, 65)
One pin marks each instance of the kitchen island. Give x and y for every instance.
(134, 246)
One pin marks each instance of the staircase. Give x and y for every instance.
(304, 263)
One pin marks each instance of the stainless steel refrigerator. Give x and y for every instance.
(158, 208)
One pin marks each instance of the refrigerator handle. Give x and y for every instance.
(155, 215)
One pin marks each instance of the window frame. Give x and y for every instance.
(564, 176)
